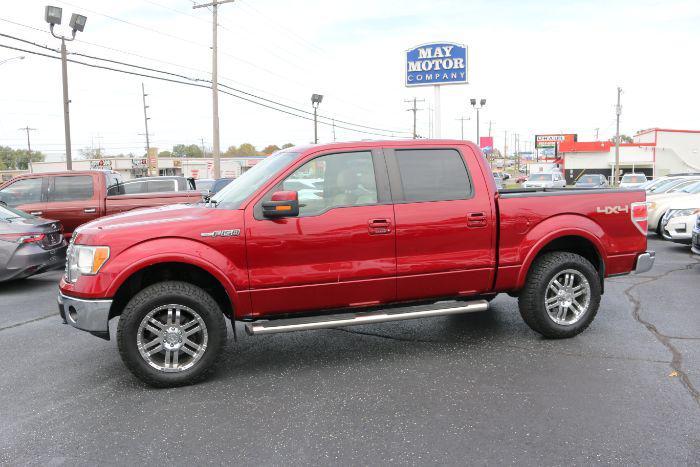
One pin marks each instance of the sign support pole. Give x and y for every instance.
(438, 115)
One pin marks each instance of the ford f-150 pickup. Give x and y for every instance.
(388, 231)
(76, 197)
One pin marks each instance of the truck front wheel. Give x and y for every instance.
(561, 295)
(171, 334)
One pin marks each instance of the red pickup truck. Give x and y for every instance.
(77, 197)
(373, 232)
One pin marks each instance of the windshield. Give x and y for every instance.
(628, 178)
(692, 188)
(589, 179)
(233, 195)
(7, 213)
(664, 186)
(540, 178)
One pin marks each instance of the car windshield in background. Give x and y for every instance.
(540, 178)
(633, 179)
(233, 195)
(663, 185)
(7, 213)
(692, 188)
(589, 179)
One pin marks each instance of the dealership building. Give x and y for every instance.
(655, 152)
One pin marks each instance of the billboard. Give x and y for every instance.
(551, 141)
(486, 144)
(436, 63)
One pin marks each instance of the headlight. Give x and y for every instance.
(85, 260)
(682, 212)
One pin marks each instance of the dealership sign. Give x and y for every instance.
(551, 141)
(436, 63)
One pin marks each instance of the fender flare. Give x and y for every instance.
(167, 256)
(588, 229)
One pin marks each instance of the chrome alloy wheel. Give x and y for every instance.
(567, 297)
(172, 338)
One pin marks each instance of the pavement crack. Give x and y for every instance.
(16, 325)
(677, 357)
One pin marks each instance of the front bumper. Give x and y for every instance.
(645, 262)
(88, 315)
(678, 229)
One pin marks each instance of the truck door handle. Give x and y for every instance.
(89, 210)
(476, 219)
(379, 226)
(36, 213)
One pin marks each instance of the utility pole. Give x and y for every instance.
(145, 120)
(618, 111)
(215, 81)
(29, 147)
(204, 152)
(414, 109)
(505, 144)
(333, 129)
(490, 122)
(596, 133)
(461, 120)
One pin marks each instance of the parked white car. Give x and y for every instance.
(659, 204)
(632, 180)
(678, 222)
(545, 180)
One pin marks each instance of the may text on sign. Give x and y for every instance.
(436, 63)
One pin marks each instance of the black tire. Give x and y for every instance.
(532, 298)
(171, 293)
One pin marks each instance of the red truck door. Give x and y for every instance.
(73, 200)
(445, 243)
(339, 251)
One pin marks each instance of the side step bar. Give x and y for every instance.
(353, 319)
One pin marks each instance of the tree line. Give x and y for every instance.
(17, 159)
(244, 150)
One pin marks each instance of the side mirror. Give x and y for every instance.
(282, 204)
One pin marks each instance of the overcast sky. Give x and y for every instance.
(543, 66)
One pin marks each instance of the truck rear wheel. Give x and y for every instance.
(171, 334)
(561, 295)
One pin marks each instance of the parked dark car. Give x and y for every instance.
(220, 184)
(592, 181)
(29, 245)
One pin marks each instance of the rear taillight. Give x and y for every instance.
(22, 238)
(639, 216)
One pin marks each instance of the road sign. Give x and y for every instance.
(436, 63)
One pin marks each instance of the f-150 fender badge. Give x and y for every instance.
(222, 233)
(612, 209)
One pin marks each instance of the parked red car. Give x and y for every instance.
(391, 224)
(77, 197)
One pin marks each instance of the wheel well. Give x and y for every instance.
(580, 246)
(162, 272)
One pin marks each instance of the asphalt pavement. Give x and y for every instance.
(472, 389)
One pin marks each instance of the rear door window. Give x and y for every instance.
(71, 188)
(24, 191)
(135, 187)
(433, 175)
(161, 185)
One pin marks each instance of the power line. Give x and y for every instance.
(119, 62)
(194, 84)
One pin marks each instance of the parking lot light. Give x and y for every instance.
(52, 14)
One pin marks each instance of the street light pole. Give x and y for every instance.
(618, 111)
(316, 99)
(29, 148)
(66, 104)
(53, 15)
(482, 103)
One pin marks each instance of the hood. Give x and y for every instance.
(179, 220)
(686, 202)
(27, 225)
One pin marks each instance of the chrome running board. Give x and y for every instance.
(354, 319)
